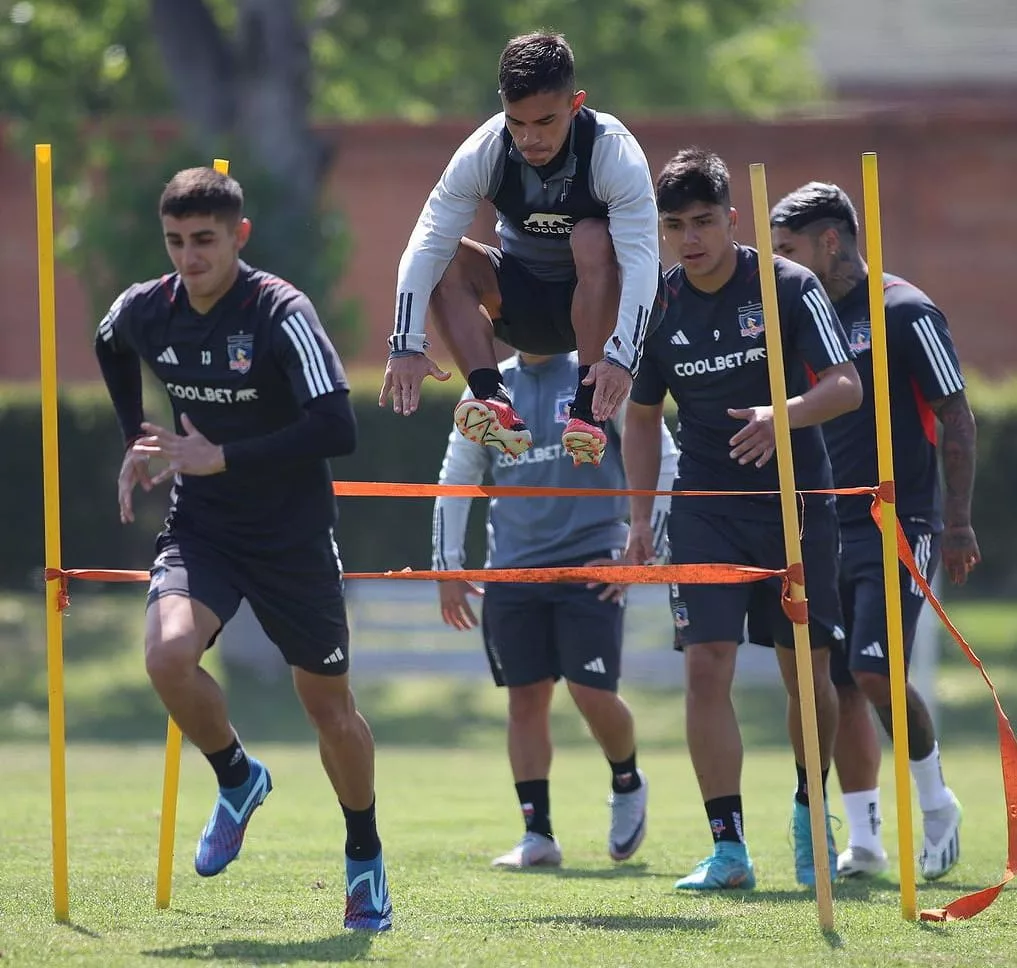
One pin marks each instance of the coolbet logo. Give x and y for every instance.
(211, 394)
(750, 320)
(860, 339)
(718, 364)
(535, 455)
(547, 223)
(240, 349)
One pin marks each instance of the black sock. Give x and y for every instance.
(802, 793)
(362, 842)
(582, 405)
(231, 765)
(725, 816)
(485, 384)
(535, 800)
(624, 778)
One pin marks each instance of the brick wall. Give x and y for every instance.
(948, 210)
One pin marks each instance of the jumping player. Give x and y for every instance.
(578, 266)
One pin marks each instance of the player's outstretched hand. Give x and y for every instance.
(190, 453)
(755, 442)
(640, 549)
(960, 552)
(403, 377)
(133, 471)
(455, 606)
(611, 385)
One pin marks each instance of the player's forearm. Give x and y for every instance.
(326, 428)
(838, 391)
(641, 456)
(122, 375)
(959, 453)
(640, 273)
(448, 532)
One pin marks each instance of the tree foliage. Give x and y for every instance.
(246, 77)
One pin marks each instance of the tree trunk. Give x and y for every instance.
(257, 86)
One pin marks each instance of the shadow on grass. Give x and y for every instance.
(622, 922)
(344, 947)
(80, 929)
(585, 873)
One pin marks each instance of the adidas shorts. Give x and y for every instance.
(534, 631)
(296, 594)
(718, 613)
(536, 313)
(862, 594)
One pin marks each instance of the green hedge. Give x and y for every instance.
(374, 533)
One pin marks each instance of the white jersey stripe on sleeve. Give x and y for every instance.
(824, 326)
(318, 380)
(946, 372)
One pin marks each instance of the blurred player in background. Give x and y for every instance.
(537, 633)
(817, 226)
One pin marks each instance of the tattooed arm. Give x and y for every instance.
(960, 547)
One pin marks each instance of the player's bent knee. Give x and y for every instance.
(470, 270)
(534, 699)
(709, 668)
(875, 686)
(172, 656)
(592, 247)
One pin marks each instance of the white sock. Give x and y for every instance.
(928, 774)
(864, 820)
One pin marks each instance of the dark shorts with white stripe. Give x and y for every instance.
(535, 631)
(536, 314)
(296, 594)
(723, 613)
(862, 596)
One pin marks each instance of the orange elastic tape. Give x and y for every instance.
(705, 574)
(797, 612)
(376, 489)
(970, 904)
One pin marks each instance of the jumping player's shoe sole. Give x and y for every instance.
(584, 442)
(493, 424)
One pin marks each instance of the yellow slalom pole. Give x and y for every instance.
(51, 503)
(891, 566)
(171, 769)
(792, 544)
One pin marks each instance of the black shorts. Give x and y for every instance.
(717, 613)
(535, 631)
(296, 594)
(536, 314)
(862, 595)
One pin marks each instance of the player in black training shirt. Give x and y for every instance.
(709, 353)
(817, 226)
(260, 401)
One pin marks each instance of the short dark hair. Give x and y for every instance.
(693, 175)
(818, 205)
(202, 191)
(536, 64)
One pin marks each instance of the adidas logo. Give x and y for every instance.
(168, 355)
(335, 657)
(874, 651)
(680, 339)
(596, 665)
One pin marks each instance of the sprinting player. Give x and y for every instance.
(710, 354)
(260, 400)
(578, 265)
(536, 633)
(817, 226)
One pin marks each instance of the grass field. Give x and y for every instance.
(446, 807)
